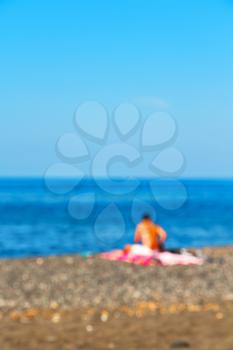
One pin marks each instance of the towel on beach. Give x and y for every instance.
(143, 256)
(120, 255)
(171, 259)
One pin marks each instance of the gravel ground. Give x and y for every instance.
(203, 330)
(74, 282)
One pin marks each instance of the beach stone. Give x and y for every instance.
(69, 260)
(56, 318)
(2, 303)
(89, 328)
(219, 315)
(179, 344)
(51, 339)
(40, 261)
(54, 305)
(15, 315)
(31, 313)
(104, 316)
(228, 297)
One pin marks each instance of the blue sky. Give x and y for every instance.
(56, 54)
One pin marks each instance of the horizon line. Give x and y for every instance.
(61, 178)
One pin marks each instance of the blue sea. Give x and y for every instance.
(37, 222)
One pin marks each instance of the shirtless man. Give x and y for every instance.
(149, 234)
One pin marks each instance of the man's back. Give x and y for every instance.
(149, 234)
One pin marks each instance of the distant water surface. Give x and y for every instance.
(34, 221)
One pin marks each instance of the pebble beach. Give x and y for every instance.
(78, 282)
(88, 293)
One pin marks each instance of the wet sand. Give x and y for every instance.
(78, 303)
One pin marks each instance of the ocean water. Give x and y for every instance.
(35, 221)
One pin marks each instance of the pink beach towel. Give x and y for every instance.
(171, 259)
(120, 255)
(159, 258)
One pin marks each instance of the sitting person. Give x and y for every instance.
(149, 234)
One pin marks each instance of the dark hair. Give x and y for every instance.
(146, 217)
